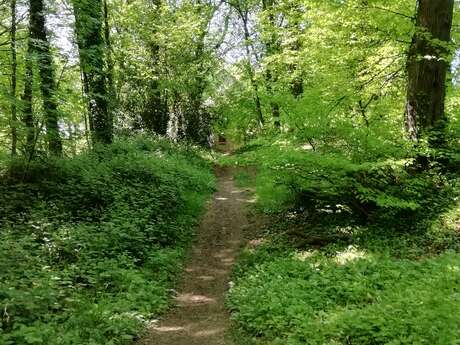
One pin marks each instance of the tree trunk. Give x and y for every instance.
(255, 88)
(42, 52)
(427, 66)
(27, 110)
(110, 63)
(91, 45)
(295, 24)
(14, 67)
(271, 47)
(155, 116)
(197, 129)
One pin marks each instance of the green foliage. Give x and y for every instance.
(352, 297)
(363, 249)
(292, 175)
(90, 245)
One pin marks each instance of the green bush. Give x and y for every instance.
(90, 246)
(291, 176)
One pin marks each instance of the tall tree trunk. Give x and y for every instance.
(155, 116)
(27, 108)
(110, 63)
(42, 53)
(91, 45)
(427, 66)
(197, 128)
(295, 25)
(250, 70)
(14, 67)
(271, 47)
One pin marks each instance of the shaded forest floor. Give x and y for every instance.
(200, 316)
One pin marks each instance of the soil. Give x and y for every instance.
(200, 317)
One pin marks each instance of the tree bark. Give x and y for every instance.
(42, 53)
(91, 45)
(27, 110)
(110, 63)
(14, 67)
(250, 70)
(427, 67)
(271, 47)
(295, 24)
(155, 116)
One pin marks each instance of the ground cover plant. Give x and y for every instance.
(90, 246)
(343, 117)
(360, 253)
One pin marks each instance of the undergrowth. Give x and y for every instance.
(359, 251)
(90, 246)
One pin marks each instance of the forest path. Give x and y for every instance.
(200, 317)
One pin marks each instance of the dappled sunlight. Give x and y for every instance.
(453, 268)
(304, 255)
(192, 329)
(350, 254)
(228, 261)
(166, 329)
(206, 278)
(306, 147)
(237, 191)
(249, 201)
(190, 298)
(220, 198)
(224, 253)
(208, 332)
(346, 230)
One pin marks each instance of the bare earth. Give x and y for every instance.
(199, 317)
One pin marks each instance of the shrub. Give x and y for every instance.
(90, 246)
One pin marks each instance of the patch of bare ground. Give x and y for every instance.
(200, 317)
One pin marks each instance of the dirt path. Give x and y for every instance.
(200, 317)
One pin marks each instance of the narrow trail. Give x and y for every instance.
(200, 317)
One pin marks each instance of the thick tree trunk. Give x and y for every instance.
(91, 45)
(427, 66)
(42, 53)
(14, 67)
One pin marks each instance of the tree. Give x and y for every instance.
(427, 66)
(91, 47)
(155, 115)
(243, 12)
(272, 46)
(110, 63)
(197, 127)
(42, 53)
(14, 67)
(27, 109)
